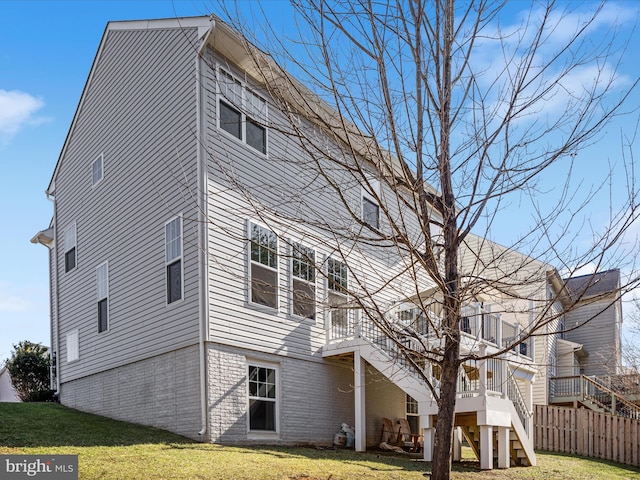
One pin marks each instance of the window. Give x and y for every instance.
(96, 170)
(412, 414)
(264, 266)
(263, 407)
(230, 120)
(465, 325)
(370, 213)
(337, 286)
(69, 239)
(337, 276)
(303, 271)
(102, 289)
(72, 346)
(371, 208)
(173, 259)
(242, 114)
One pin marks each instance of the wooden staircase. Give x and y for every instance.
(516, 449)
(592, 394)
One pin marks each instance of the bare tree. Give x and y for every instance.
(445, 117)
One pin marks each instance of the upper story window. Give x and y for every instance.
(242, 113)
(69, 239)
(264, 266)
(370, 208)
(97, 170)
(173, 258)
(102, 289)
(303, 271)
(370, 213)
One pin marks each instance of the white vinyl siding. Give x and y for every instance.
(149, 165)
(303, 281)
(73, 346)
(263, 254)
(97, 170)
(70, 247)
(102, 289)
(282, 186)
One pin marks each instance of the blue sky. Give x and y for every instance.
(46, 51)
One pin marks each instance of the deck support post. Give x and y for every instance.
(428, 433)
(359, 398)
(486, 447)
(457, 444)
(503, 447)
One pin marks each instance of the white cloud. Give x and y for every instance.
(12, 302)
(17, 109)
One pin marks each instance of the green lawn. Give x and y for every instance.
(109, 449)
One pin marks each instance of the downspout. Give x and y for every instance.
(56, 305)
(203, 271)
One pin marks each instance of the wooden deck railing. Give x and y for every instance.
(588, 390)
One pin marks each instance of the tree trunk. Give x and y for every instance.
(441, 467)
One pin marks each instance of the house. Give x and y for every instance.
(185, 297)
(596, 323)
(7, 392)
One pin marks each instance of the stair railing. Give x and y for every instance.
(515, 395)
(607, 399)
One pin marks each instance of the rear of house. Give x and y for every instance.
(192, 288)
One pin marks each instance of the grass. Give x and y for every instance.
(109, 449)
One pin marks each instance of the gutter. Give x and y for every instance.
(203, 250)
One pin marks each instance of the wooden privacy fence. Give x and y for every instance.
(584, 432)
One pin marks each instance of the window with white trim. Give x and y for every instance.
(303, 272)
(264, 266)
(370, 213)
(70, 243)
(242, 113)
(97, 172)
(102, 297)
(337, 285)
(263, 398)
(412, 414)
(173, 258)
(370, 207)
(73, 347)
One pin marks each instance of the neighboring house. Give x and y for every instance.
(178, 302)
(7, 392)
(596, 323)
